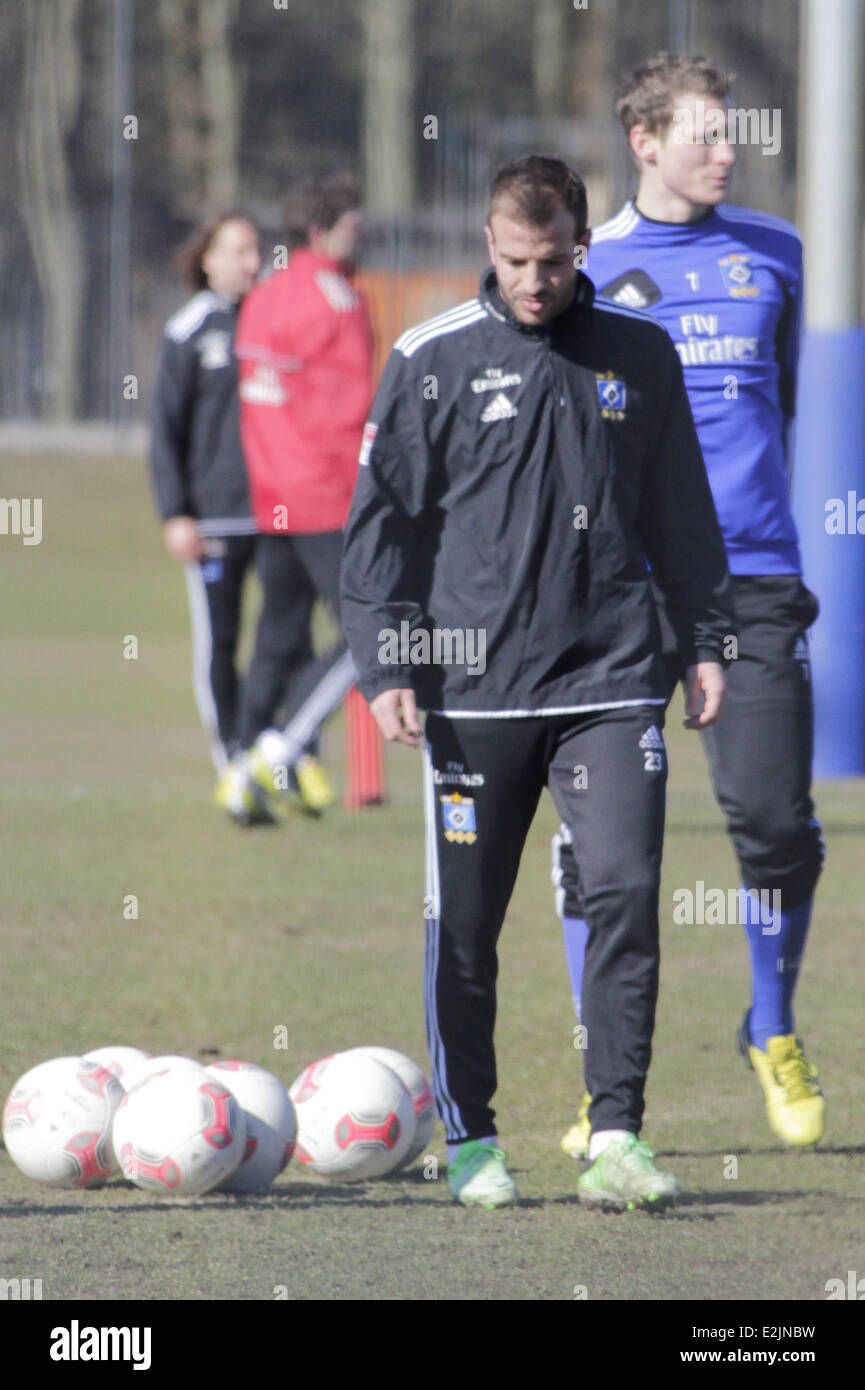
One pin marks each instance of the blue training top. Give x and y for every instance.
(728, 290)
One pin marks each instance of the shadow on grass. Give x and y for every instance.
(745, 1197)
(386, 1192)
(402, 1191)
(689, 1207)
(776, 1151)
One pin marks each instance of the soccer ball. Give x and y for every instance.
(179, 1131)
(118, 1060)
(57, 1122)
(271, 1124)
(149, 1066)
(355, 1118)
(305, 1086)
(417, 1086)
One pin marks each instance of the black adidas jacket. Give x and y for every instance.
(196, 455)
(516, 482)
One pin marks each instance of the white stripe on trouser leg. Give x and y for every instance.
(202, 654)
(330, 691)
(561, 838)
(448, 1108)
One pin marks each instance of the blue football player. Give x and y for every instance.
(726, 283)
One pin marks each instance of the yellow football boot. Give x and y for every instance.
(237, 793)
(314, 784)
(576, 1142)
(277, 785)
(794, 1101)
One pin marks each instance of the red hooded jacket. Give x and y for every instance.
(305, 348)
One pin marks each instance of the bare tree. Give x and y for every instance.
(201, 91)
(45, 197)
(219, 93)
(388, 128)
(181, 97)
(549, 55)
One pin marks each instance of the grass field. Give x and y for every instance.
(105, 793)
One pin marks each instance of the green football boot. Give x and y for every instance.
(477, 1177)
(624, 1176)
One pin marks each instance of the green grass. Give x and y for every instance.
(318, 927)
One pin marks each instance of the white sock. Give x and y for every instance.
(602, 1137)
(453, 1149)
(272, 746)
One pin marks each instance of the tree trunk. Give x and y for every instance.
(182, 105)
(219, 99)
(549, 55)
(389, 132)
(52, 72)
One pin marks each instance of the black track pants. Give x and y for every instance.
(760, 749)
(283, 669)
(215, 587)
(607, 774)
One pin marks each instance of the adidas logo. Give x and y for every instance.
(499, 408)
(630, 296)
(652, 738)
(801, 650)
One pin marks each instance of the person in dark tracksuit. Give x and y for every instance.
(197, 463)
(528, 455)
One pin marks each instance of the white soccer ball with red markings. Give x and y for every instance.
(147, 1065)
(57, 1122)
(271, 1124)
(355, 1118)
(417, 1086)
(179, 1132)
(118, 1060)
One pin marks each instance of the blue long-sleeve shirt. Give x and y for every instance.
(728, 290)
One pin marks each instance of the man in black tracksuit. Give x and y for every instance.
(529, 454)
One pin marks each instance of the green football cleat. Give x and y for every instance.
(576, 1142)
(478, 1177)
(624, 1176)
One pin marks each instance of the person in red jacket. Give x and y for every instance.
(304, 345)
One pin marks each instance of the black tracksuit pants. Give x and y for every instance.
(759, 751)
(606, 772)
(215, 585)
(293, 570)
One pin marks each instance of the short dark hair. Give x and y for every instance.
(318, 203)
(188, 257)
(650, 91)
(539, 187)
